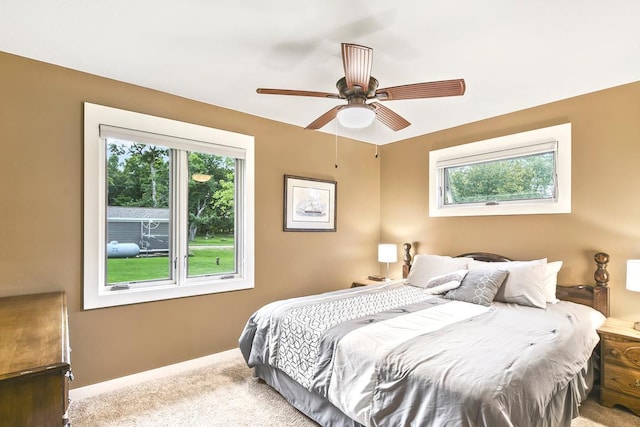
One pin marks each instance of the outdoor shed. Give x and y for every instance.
(146, 227)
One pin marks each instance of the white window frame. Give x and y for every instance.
(523, 143)
(96, 294)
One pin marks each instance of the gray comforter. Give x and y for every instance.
(390, 355)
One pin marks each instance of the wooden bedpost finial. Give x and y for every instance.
(601, 275)
(406, 258)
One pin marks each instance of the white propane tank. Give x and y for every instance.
(122, 250)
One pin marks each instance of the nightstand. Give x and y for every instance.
(620, 383)
(365, 282)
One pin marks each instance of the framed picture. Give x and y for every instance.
(309, 204)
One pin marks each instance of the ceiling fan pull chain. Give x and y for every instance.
(336, 161)
(376, 130)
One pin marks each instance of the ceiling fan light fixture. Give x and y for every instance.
(356, 116)
(201, 177)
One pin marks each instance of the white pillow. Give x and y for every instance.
(525, 284)
(445, 282)
(426, 267)
(551, 280)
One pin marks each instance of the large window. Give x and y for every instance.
(525, 173)
(168, 209)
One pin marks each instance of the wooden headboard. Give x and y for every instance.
(596, 296)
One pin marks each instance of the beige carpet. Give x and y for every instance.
(226, 394)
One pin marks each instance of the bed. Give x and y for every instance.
(471, 340)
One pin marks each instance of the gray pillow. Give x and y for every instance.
(479, 286)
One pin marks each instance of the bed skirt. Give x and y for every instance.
(562, 408)
(310, 403)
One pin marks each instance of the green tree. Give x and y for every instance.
(138, 175)
(206, 213)
(224, 204)
(529, 177)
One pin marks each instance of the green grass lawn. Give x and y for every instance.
(201, 261)
(217, 240)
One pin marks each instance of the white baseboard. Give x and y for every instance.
(177, 368)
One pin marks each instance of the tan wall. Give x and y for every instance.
(41, 218)
(605, 193)
(41, 210)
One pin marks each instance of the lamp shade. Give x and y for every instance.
(387, 252)
(356, 116)
(633, 275)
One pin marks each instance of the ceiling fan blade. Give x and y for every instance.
(298, 93)
(393, 120)
(324, 119)
(357, 65)
(422, 90)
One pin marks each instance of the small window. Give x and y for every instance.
(526, 173)
(168, 209)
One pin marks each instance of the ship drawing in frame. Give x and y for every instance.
(309, 204)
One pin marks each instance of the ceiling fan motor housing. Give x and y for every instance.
(356, 91)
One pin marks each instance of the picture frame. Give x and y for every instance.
(309, 204)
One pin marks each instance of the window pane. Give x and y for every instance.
(138, 215)
(211, 234)
(520, 178)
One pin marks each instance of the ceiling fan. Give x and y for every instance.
(358, 86)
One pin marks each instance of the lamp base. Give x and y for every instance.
(636, 326)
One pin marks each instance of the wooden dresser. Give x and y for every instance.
(620, 345)
(34, 360)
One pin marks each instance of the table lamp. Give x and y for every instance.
(387, 252)
(633, 280)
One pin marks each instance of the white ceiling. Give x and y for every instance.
(512, 54)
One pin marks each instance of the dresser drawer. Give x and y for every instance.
(622, 351)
